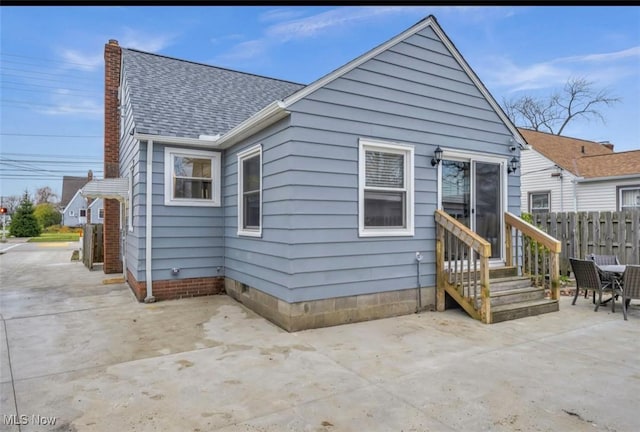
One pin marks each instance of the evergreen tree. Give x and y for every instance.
(24, 222)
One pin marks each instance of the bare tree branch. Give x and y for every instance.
(578, 99)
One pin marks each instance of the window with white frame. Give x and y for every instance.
(250, 192)
(192, 177)
(385, 189)
(83, 213)
(101, 213)
(539, 202)
(71, 213)
(629, 198)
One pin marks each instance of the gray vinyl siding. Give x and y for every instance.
(184, 237)
(130, 156)
(262, 262)
(95, 207)
(415, 93)
(75, 205)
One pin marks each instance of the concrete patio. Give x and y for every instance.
(88, 355)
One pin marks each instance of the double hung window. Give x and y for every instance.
(250, 192)
(386, 189)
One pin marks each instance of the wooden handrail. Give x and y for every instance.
(482, 247)
(468, 237)
(535, 233)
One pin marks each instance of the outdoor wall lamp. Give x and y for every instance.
(513, 165)
(437, 156)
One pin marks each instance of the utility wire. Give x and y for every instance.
(44, 86)
(42, 58)
(47, 73)
(85, 95)
(49, 135)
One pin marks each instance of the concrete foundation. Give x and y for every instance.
(330, 312)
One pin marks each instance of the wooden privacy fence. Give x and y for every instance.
(92, 250)
(602, 233)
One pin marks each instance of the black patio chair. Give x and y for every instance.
(631, 286)
(588, 279)
(603, 260)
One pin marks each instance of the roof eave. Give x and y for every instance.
(265, 117)
(193, 142)
(608, 178)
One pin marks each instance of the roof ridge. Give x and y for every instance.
(212, 66)
(561, 136)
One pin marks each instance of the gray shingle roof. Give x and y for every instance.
(70, 185)
(173, 97)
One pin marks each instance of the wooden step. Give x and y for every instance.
(503, 272)
(509, 283)
(516, 295)
(512, 311)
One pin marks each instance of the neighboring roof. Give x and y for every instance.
(96, 202)
(70, 185)
(583, 158)
(562, 150)
(76, 196)
(172, 97)
(610, 165)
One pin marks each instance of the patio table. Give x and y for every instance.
(615, 272)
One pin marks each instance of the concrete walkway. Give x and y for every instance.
(90, 357)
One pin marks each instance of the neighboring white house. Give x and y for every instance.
(560, 174)
(75, 213)
(97, 211)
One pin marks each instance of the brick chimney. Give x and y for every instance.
(111, 231)
(607, 144)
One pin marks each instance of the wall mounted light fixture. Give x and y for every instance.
(437, 156)
(513, 165)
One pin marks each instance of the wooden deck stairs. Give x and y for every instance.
(514, 297)
(493, 295)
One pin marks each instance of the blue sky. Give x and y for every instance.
(51, 63)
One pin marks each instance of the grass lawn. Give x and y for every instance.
(55, 237)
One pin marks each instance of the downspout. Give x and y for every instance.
(419, 292)
(149, 206)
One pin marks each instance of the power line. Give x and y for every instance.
(47, 73)
(42, 155)
(44, 86)
(33, 78)
(86, 94)
(45, 59)
(50, 135)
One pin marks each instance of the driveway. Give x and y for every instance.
(86, 355)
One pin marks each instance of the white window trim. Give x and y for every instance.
(169, 200)
(71, 213)
(622, 189)
(389, 147)
(80, 212)
(246, 154)
(530, 198)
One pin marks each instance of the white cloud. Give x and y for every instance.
(338, 17)
(602, 58)
(244, 51)
(86, 107)
(144, 41)
(603, 68)
(82, 61)
(230, 37)
(280, 14)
